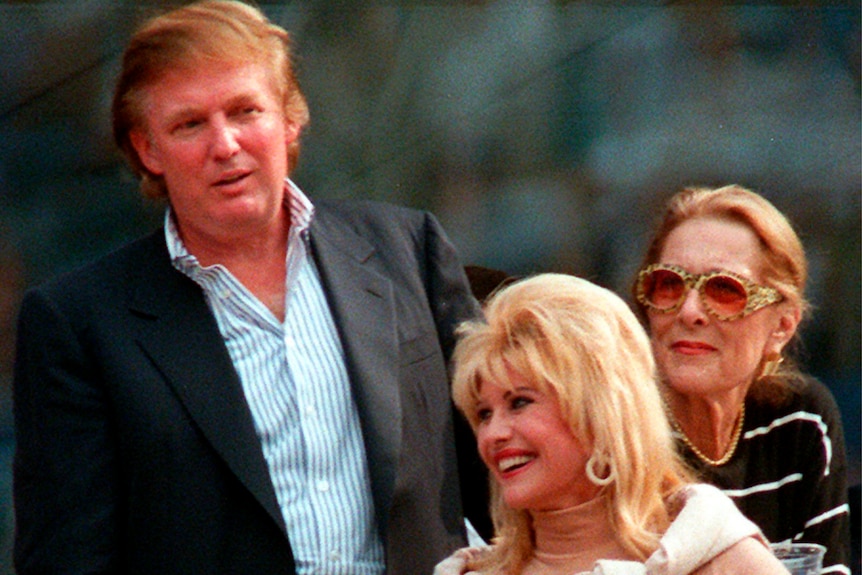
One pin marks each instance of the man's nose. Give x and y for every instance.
(225, 141)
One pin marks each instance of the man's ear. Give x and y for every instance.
(291, 131)
(141, 142)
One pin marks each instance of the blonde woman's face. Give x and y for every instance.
(529, 448)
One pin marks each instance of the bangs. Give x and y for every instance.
(490, 354)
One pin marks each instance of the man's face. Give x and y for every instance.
(218, 135)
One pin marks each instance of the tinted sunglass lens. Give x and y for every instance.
(725, 295)
(664, 288)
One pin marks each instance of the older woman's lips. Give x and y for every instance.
(692, 347)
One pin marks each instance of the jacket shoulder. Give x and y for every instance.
(100, 277)
(361, 215)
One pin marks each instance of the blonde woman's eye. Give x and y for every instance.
(520, 401)
(483, 414)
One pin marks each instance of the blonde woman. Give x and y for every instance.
(559, 385)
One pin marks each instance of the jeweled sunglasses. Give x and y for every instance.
(724, 294)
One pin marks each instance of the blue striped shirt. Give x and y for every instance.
(295, 381)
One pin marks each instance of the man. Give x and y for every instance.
(261, 386)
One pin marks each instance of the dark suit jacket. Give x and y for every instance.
(136, 447)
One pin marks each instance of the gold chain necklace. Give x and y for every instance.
(701, 455)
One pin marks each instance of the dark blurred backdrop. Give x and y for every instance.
(544, 135)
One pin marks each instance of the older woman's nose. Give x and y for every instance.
(692, 310)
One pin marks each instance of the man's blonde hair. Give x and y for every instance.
(208, 31)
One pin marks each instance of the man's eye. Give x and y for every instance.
(187, 125)
(247, 111)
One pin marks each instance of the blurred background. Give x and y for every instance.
(545, 136)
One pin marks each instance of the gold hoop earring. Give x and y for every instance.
(601, 460)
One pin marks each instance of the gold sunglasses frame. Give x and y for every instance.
(757, 296)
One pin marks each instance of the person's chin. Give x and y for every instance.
(245, 208)
(690, 380)
(521, 498)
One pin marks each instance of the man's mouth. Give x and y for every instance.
(232, 178)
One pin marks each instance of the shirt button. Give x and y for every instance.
(335, 556)
(323, 486)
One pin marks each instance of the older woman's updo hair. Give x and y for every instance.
(224, 31)
(581, 344)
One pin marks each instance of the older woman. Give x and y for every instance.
(721, 290)
(560, 387)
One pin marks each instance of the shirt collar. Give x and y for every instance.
(301, 214)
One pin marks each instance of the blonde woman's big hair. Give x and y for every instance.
(581, 344)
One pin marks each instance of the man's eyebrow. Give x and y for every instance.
(185, 112)
(180, 114)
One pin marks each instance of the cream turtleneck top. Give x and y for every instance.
(708, 536)
(571, 540)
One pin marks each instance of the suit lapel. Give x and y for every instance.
(181, 337)
(362, 304)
